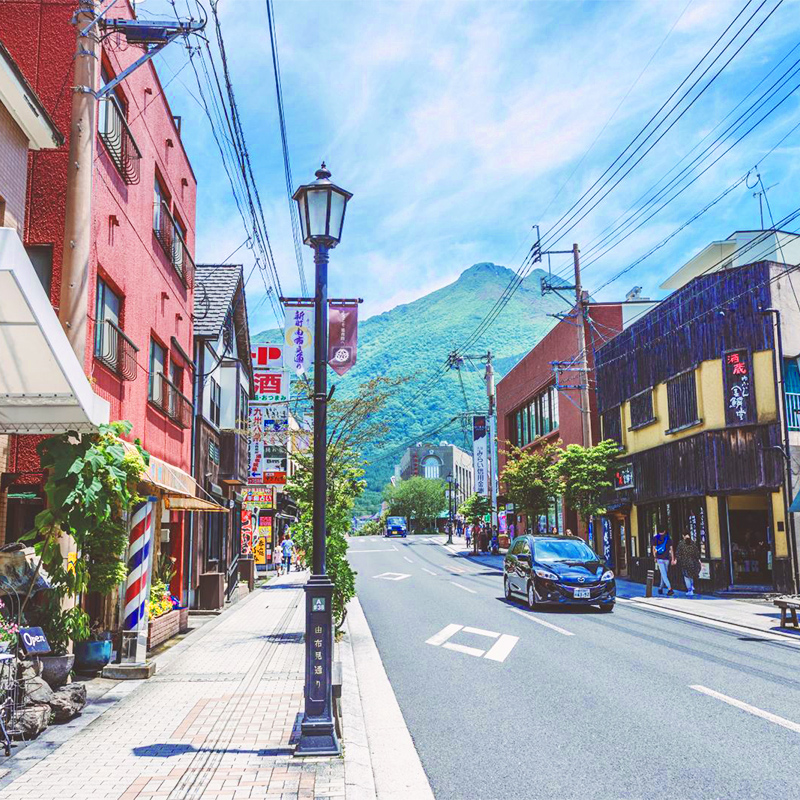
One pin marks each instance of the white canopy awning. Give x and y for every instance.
(42, 385)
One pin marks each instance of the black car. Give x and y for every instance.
(558, 569)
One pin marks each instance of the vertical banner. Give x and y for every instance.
(299, 337)
(247, 533)
(479, 454)
(740, 406)
(342, 336)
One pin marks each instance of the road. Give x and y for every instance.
(505, 703)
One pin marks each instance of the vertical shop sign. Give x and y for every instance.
(247, 532)
(479, 454)
(608, 550)
(342, 336)
(740, 406)
(299, 338)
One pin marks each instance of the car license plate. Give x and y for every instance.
(582, 594)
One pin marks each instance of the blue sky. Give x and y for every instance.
(458, 124)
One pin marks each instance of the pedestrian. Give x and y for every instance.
(468, 533)
(287, 548)
(688, 555)
(664, 556)
(277, 557)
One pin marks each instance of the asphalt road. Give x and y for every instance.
(505, 703)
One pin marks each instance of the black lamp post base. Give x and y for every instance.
(318, 739)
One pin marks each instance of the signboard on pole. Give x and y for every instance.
(267, 356)
(257, 497)
(342, 336)
(479, 454)
(271, 386)
(299, 338)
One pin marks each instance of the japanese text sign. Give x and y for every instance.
(299, 338)
(270, 386)
(740, 406)
(342, 337)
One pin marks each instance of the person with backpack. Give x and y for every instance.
(664, 555)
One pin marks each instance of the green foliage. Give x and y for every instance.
(374, 527)
(420, 499)
(586, 472)
(91, 485)
(532, 479)
(413, 340)
(59, 626)
(345, 484)
(475, 508)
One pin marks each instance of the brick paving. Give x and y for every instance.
(218, 722)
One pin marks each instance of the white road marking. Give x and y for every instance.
(444, 634)
(471, 591)
(481, 632)
(462, 648)
(392, 576)
(501, 648)
(408, 559)
(430, 572)
(456, 569)
(785, 723)
(541, 622)
(383, 550)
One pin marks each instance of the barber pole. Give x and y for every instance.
(137, 586)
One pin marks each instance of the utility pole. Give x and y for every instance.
(580, 306)
(72, 311)
(492, 460)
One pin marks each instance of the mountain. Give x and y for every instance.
(413, 340)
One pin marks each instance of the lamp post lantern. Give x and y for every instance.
(321, 205)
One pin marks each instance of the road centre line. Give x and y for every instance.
(430, 572)
(541, 622)
(785, 723)
(444, 635)
(408, 559)
(471, 591)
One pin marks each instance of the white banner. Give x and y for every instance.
(270, 386)
(479, 455)
(299, 332)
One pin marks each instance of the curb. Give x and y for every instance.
(387, 746)
(792, 637)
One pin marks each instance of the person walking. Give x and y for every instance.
(468, 533)
(287, 548)
(688, 556)
(277, 560)
(664, 555)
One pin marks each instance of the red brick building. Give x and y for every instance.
(139, 301)
(533, 408)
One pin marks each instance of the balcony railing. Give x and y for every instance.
(172, 242)
(176, 405)
(793, 410)
(115, 350)
(118, 139)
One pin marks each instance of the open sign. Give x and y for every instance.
(33, 641)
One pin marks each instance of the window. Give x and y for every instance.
(244, 409)
(537, 418)
(107, 310)
(431, 467)
(682, 401)
(642, 409)
(155, 386)
(216, 398)
(41, 256)
(159, 211)
(612, 425)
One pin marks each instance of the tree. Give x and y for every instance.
(345, 484)
(586, 473)
(475, 508)
(417, 498)
(532, 479)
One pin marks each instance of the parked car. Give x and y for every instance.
(396, 526)
(558, 569)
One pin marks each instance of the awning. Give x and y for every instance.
(179, 503)
(42, 385)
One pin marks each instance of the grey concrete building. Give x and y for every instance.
(438, 461)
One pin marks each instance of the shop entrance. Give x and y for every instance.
(619, 527)
(751, 545)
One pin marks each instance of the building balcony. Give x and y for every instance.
(233, 457)
(116, 351)
(166, 396)
(171, 239)
(115, 134)
(793, 410)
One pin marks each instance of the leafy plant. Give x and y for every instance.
(586, 474)
(160, 600)
(475, 508)
(418, 498)
(532, 479)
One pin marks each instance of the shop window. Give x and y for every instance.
(216, 402)
(682, 401)
(612, 425)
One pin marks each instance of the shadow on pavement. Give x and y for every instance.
(169, 750)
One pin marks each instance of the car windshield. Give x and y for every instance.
(394, 520)
(567, 550)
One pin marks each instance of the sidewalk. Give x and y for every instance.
(754, 614)
(217, 720)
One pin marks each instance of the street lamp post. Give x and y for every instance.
(321, 205)
(450, 509)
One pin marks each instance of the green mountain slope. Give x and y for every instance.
(414, 340)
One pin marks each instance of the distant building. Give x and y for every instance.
(437, 462)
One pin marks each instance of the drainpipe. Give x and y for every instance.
(780, 399)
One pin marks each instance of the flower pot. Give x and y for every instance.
(56, 669)
(92, 656)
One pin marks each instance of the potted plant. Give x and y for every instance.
(92, 654)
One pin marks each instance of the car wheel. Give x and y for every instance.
(607, 608)
(506, 587)
(531, 596)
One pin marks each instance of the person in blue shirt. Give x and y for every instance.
(287, 547)
(664, 555)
